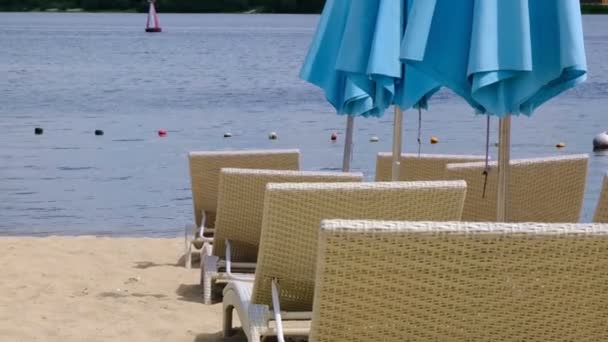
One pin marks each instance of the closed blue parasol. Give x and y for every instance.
(355, 59)
(503, 57)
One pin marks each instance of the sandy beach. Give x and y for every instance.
(101, 289)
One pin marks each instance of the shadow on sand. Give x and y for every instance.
(127, 294)
(217, 337)
(194, 293)
(148, 264)
(181, 262)
(190, 293)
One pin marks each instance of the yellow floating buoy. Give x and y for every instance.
(561, 145)
(434, 140)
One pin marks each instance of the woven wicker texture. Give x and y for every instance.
(601, 211)
(205, 172)
(540, 190)
(293, 214)
(241, 205)
(431, 281)
(425, 167)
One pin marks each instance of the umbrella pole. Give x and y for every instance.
(397, 127)
(504, 148)
(348, 143)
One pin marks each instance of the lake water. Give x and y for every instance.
(206, 75)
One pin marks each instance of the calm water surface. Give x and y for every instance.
(206, 75)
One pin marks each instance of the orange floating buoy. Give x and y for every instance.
(434, 140)
(334, 136)
(162, 133)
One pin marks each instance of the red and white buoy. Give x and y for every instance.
(153, 24)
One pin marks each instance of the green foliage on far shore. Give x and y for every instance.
(594, 9)
(195, 6)
(168, 6)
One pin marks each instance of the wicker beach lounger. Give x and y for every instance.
(289, 240)
(541, 189)
(601, 210)
(239, 218)
(426, 167)
(204, 176)
(456, 281)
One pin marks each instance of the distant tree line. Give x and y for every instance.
(192, 6)
(175, 6)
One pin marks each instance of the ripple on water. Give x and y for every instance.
(128, 140)
(331, 169)
(75, 168)
(121, 178)
(65, 148)
(182, 199)
(33, 167)
(44, 209)
(50, 178)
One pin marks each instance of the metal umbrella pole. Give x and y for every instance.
(348, 143)
(397, 127)
(504, 150)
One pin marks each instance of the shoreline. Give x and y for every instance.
(163, 13)
(79, 10)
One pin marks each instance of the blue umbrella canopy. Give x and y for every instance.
(504, 57)
(355, 59)
(319, 68)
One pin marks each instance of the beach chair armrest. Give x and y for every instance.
(276, 309)
(189, 233)
(205, 231)
(228, 265)
(254, 318)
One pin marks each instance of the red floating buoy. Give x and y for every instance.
(334, 136)
(153, 24)
(162, 133)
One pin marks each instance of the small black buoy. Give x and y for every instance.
(227, 135)
(334, 136)
(272, 136)
(600, 142)
(98, 132)
(374, 139)
(38, 131)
